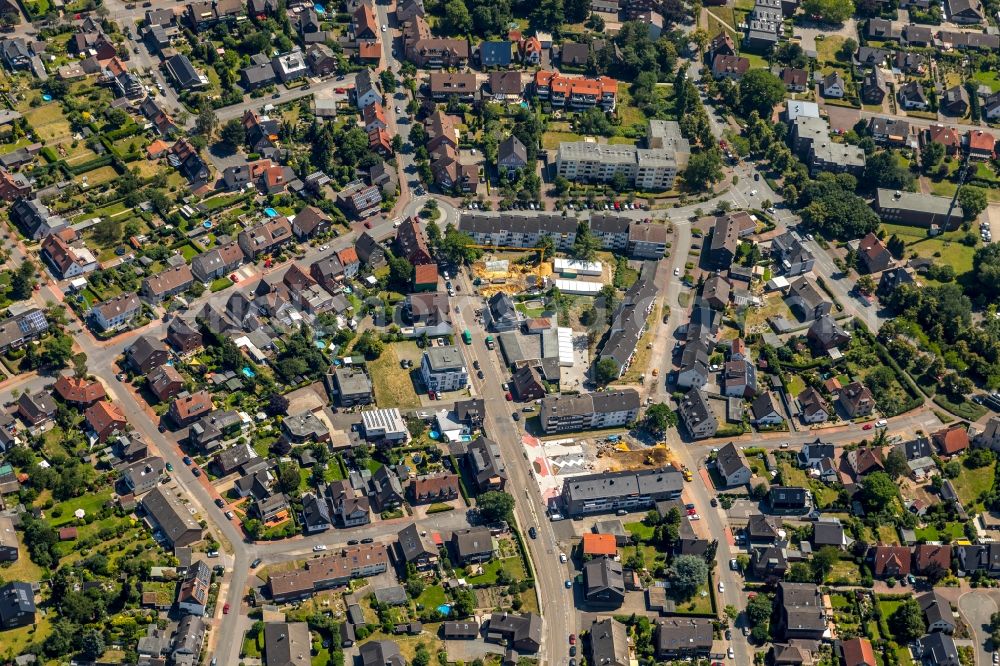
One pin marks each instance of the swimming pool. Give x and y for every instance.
(247, 372)
(444, 609)
(270, 212)
(46, 98)
(320, 9)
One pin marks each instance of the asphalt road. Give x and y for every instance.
(976, 607)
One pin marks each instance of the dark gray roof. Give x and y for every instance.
(412, 546)
(730, 460)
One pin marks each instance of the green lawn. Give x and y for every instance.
(432, 596)
(970, 483)
(221, 283)
(990, 78)
(947, 245)
(551, 140)
(639, 531)
(699, 604)
(931, 533)
(795, 385)
(793, 476)
(511, 565)
(887, 535)
(91, 503)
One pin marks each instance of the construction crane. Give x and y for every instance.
(506, 248)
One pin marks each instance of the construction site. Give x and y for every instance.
(553, 461)
(511, 271)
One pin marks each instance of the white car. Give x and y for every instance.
(384, 27)
(731, 654)
(677, 272)
(319, 548)
(881, 423)
(722, 586)
(562, 558)
(734, 565)
(753, 193)
(694, 516)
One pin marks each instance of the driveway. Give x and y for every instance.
(808, 31)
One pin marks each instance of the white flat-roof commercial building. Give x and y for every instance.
(578, 288)
(578, 266)
(565, 337)
(384, 424)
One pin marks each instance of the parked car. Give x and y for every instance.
(219, 502)
(319, 548)
(187, 460)
(532, 532)
(225, 608)
(196, 471)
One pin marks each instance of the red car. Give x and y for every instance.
(234, 277)
(572, 639)
(509, 396)
(691, 512)
(867, 426)
(368, 224)
(225, 609)
(430, 394)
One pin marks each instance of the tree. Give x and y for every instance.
(433, 232)
(400, 273)
(829, 11)
(457, 247)
(687, 574)
(907, 622)
(760, 90)
(759, 611)
(605, 371)
(92, 643)
(885, 170)
(846, 52)
(659, 417)
(895, 464)
(232, 134)
(206, 122)
(57, 351)
(866, 284)
(585, 245)
(288, 477)
(23, 281)
(931, 155)
(703, 169)
(878, 491)
(388, 81)
(369, 344)
(547, 246)
(986, 269)
(457, 20)
(973, 201)
(823, 561)
(494, 505)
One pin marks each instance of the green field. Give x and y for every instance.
(826, 49)
(990, 78)
(931, 533)
(952, 252)
(970, 483)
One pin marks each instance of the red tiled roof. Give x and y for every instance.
(600, 544)
(927, 554)
(859, 652)
(76, 389)
(895, 559)
(104, 416)
(425, 274)
(953, 439)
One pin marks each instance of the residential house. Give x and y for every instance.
(783, 499)
(826, 334)
(811, 455)
(890, 131)
(36, 408)
(609, 643)
(858, 652)
(79, 391)
(414, 548)
(860, 462)
(105, 419)
(33, 218)
(765, 410)
(981, 145)
(833, 85)
(830, 532)
(192, 596)
(937, 648)
(266, 237)
(813, 408)
(520, 632)
(932, 559)
(189, 407)
(166, 511)
(289, 644)
(856, 400)
(387, 489)
(310, 222)
(952, 440)
(954, 101)
(967, 12)
(937, 612)
(891, 561)
(17, 605)
(729, 67)
(732, 466)
(683, 638)
(795, 80)
(116, 312)
(472, 545)
(874, 87)
(485, 464)
(791, 255)
(512, 156)
(946, 136)
(912, 96)
(443, 369)
(66, 260)
(165, 382)
(9, 543)
(167, 283)
(438, 487)
(810, 302)
(146, 354)
(218, 262)
(801, 612)
(604, 582)
(697, 415)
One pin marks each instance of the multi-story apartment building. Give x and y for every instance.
(576, 92)
(443, 369)
(567, 413)
(607, 492)
(518, 229)
(645, 168)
